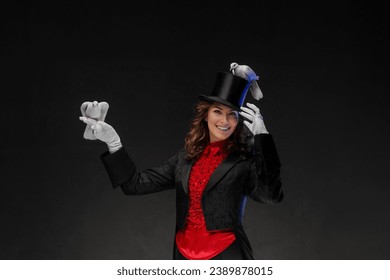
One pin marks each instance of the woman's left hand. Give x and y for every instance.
(256, 124)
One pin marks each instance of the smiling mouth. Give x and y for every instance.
(223, 128)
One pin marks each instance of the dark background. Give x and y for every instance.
(324, 72)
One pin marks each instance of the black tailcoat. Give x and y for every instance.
(255, 174)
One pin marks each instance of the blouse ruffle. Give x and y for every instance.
(194, 241)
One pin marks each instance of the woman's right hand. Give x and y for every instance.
(104, 132)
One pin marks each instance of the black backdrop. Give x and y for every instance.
(324, 71)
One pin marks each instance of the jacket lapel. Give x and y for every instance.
(222, 169)
(217, 175)
(185, 174)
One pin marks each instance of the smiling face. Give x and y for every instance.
(221, 121)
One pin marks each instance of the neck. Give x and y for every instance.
(217, 143)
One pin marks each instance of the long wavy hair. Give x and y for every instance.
(198, 136)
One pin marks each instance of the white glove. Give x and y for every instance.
(104, 132)
(256, 124)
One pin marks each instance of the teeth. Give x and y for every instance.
(222, 128)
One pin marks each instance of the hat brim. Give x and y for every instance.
(219, 100)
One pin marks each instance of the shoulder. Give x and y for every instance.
(179, 157)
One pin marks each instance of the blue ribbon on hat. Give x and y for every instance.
(244, 92)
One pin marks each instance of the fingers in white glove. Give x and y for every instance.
(96, 127)
(97, 130)
(253, 107)
(88, 132)
(252, 113)
(254, 120)
(87, 120)
(104, 132)
(247, 113)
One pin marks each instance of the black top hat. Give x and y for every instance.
(229, 90)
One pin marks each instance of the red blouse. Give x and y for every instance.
(194, 241)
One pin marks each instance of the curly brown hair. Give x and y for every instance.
(198, 136)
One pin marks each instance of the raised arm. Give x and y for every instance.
(123, 172)
(264, 183)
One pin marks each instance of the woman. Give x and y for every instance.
(213, 174)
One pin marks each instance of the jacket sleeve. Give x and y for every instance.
(264, 182)
(123, 172)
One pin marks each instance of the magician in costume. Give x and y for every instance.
(228, 156)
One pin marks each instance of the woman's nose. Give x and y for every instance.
(225, 118)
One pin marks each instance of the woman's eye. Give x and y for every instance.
(217, 111)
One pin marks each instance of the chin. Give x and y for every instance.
(221, 137)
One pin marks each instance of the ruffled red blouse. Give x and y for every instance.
(194, 241)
